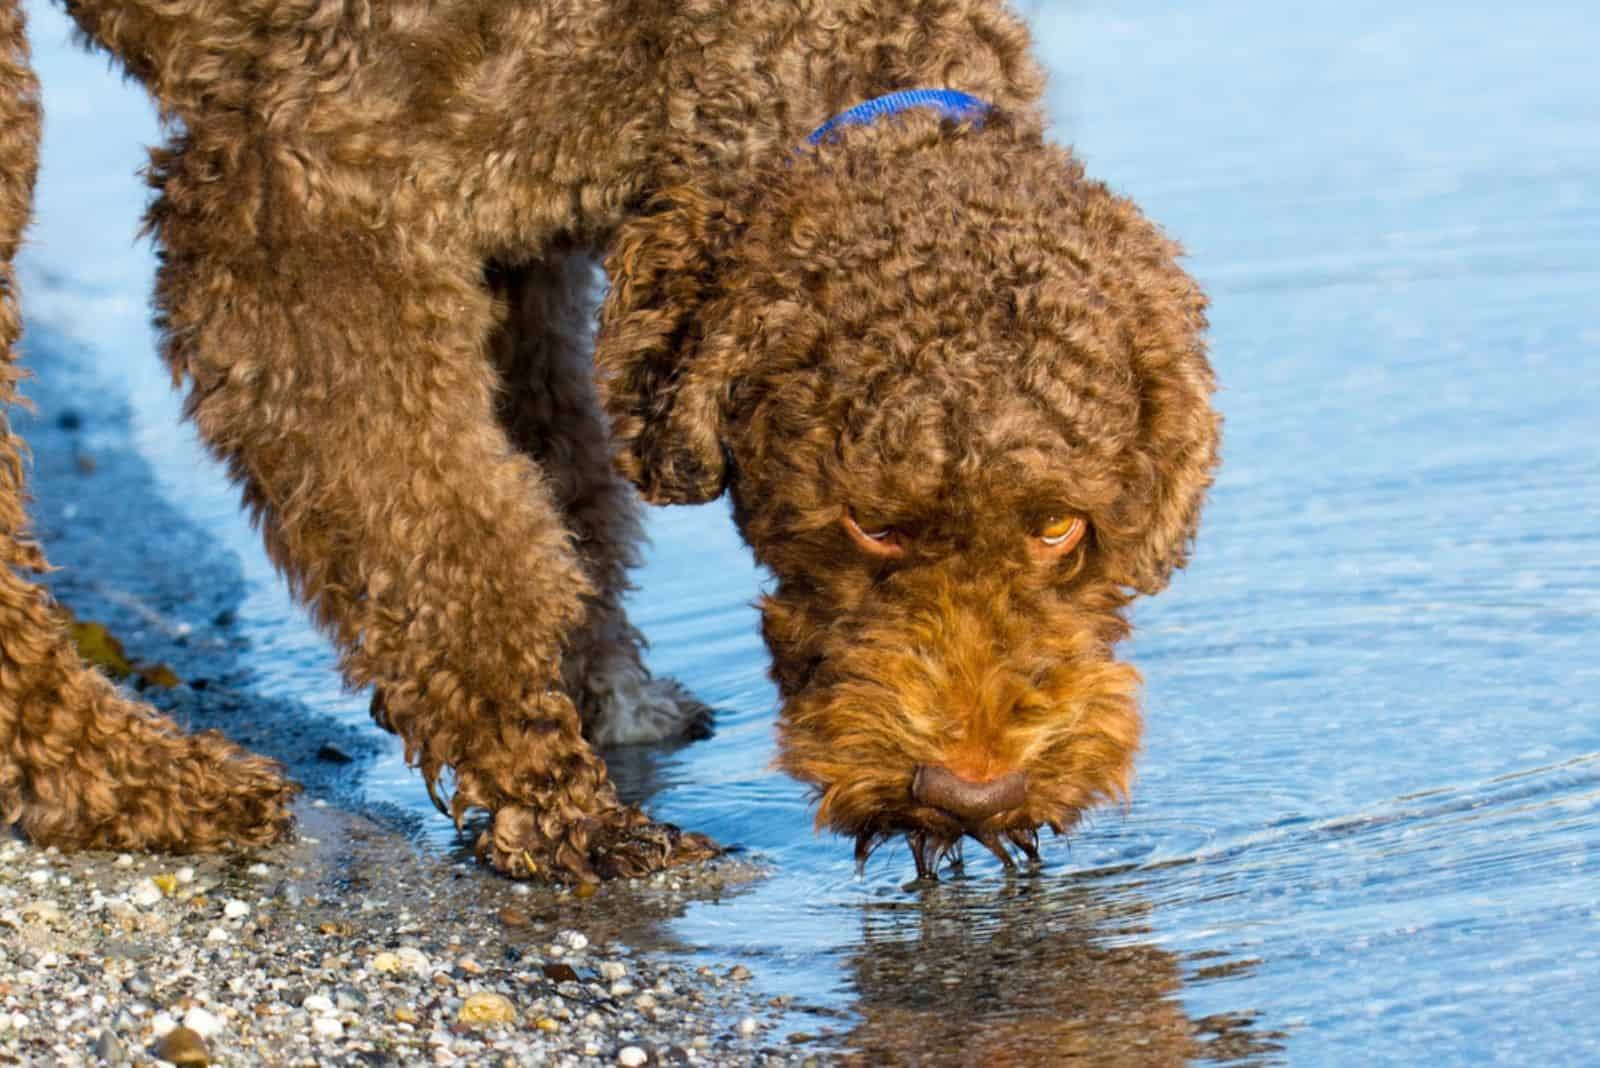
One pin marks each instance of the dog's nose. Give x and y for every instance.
(971, 802)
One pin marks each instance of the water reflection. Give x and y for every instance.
(1032, 970)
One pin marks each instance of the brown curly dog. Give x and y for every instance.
(957, 391)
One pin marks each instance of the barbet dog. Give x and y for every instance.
(957, 391)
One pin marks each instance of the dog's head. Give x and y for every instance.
(959, 394)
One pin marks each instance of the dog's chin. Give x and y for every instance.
(936, 839)
(936, 843)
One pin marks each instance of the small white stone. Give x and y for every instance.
(575, 941)
(632, 1056)
(39, 878)
(145, 893)
(257, 869)
(747, 1026)
(621, 988)
(217, 934)
(124, 860)
(413, 960)
(184, 875)
(235, 909)
(645, 1002)
(202, 1023)
(161, 1023)
(611, 970)
(327, 1027)
(318, 1004)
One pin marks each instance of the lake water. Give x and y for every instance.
(1367, 821)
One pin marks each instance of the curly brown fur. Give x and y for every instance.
(373, 218)
(949, 335)
(81, 765)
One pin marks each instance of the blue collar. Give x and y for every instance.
(950, 103)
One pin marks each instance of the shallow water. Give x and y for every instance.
(1367, 821)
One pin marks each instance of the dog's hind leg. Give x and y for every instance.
(80, 764)
(550, 409)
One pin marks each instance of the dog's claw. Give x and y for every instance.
(433, 795)
(622, 844)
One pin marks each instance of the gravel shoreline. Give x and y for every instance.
(350, 946)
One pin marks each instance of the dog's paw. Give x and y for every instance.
(622, 843)
(630, 707)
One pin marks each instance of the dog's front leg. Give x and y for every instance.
(342, 375)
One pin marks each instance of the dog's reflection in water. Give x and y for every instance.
(1037, 973)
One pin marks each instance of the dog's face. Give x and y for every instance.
(937, 501)
(960, 397)
(941, 624)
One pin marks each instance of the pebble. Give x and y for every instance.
(202, 1023)
(747, 1026)
(317, 1005)
(414, 960)
(487, 1008)
(279, 963)
(183, 1047)
(632, 1056)
(109, 1048)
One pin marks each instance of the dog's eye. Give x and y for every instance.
(874, 539)
(1064, 533)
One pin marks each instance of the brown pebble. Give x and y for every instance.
(584, 891)
(560, 973)
(512, 916)
(405, 1015)
(182, 1047)
(441, 979)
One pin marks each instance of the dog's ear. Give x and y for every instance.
(663, 371)
(1178, 440)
